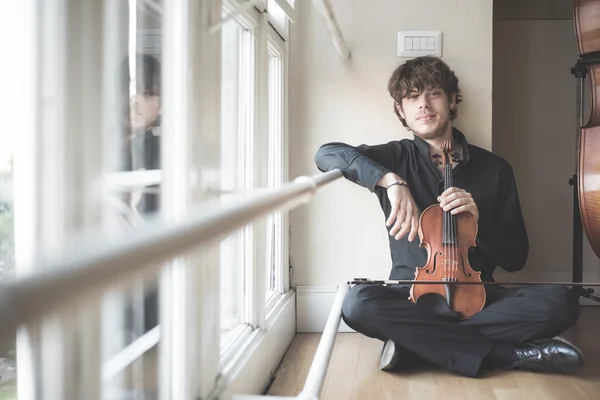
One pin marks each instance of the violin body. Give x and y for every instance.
(447, 239)
(587, 27)
(449, 262)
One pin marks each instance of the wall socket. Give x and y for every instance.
(419, 43)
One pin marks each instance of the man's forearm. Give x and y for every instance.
(362, 169)
(388, 179)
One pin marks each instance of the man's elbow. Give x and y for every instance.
(323, 156)
(319, 158)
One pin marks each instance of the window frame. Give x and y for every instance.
(193, 362)
(277, 45)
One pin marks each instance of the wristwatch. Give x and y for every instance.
(398, 182)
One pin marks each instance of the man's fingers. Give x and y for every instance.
(460, 209)
(399, 221)
(413, 228)
(405, 220)
(456, 203)
(403, 231)
(451, 193)
(393, 214)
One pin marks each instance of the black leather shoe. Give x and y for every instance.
(397, 358)
(389, 356)
(554, 356)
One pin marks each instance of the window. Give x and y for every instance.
(238, 116)
(278, 17)
(253, 260)
(132, 176)
(277, 223)
(232, 174)
(109, 147)
(9, 134)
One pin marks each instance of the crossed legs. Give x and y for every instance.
(511, 316)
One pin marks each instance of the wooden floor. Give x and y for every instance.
(354, 372)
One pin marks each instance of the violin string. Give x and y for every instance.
(451, 228)
(455, 241)
(446, 231)
(444, 235)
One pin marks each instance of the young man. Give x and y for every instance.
(142, 146)
(518, 326)
(142, 117)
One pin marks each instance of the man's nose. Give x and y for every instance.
(135, 101)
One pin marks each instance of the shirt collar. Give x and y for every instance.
(423, 146)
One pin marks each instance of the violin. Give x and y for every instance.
(447, 239)
(587, 28)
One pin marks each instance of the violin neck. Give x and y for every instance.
(449, 220)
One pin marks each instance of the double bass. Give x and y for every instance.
(586, 16)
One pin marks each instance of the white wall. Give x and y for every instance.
(341, 235)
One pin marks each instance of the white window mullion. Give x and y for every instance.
(277, 152)
(24, 112)
(285, 273)
(190, 286)
(248, 132)
(261, 170)
(66, 164)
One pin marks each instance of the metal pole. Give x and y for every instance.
(318, 370)
(326, 10)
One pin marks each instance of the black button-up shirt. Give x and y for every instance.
(501, 237)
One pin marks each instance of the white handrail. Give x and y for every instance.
(318, 370)
(94, 266)
(313, 385)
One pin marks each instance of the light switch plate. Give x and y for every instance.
(419, 43)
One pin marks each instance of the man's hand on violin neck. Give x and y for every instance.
(458, 200)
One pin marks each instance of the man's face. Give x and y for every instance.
(145, 109)
(427, 114)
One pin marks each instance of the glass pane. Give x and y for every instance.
(232, 162)
(274, 228)
(132, 115)
(277, 16)
(9, 134)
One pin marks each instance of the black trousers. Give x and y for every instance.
(512, 315)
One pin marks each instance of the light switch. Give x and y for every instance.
(419, 43)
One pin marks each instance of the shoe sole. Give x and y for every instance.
(388, 356)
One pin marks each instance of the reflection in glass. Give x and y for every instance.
(9, 134)
(132, 165)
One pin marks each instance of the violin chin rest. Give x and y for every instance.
(437, 303)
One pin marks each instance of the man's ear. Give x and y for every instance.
(453, 101)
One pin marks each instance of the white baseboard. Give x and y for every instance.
(252, 370)
(313, 304)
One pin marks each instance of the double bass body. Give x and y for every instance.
(587, 29)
